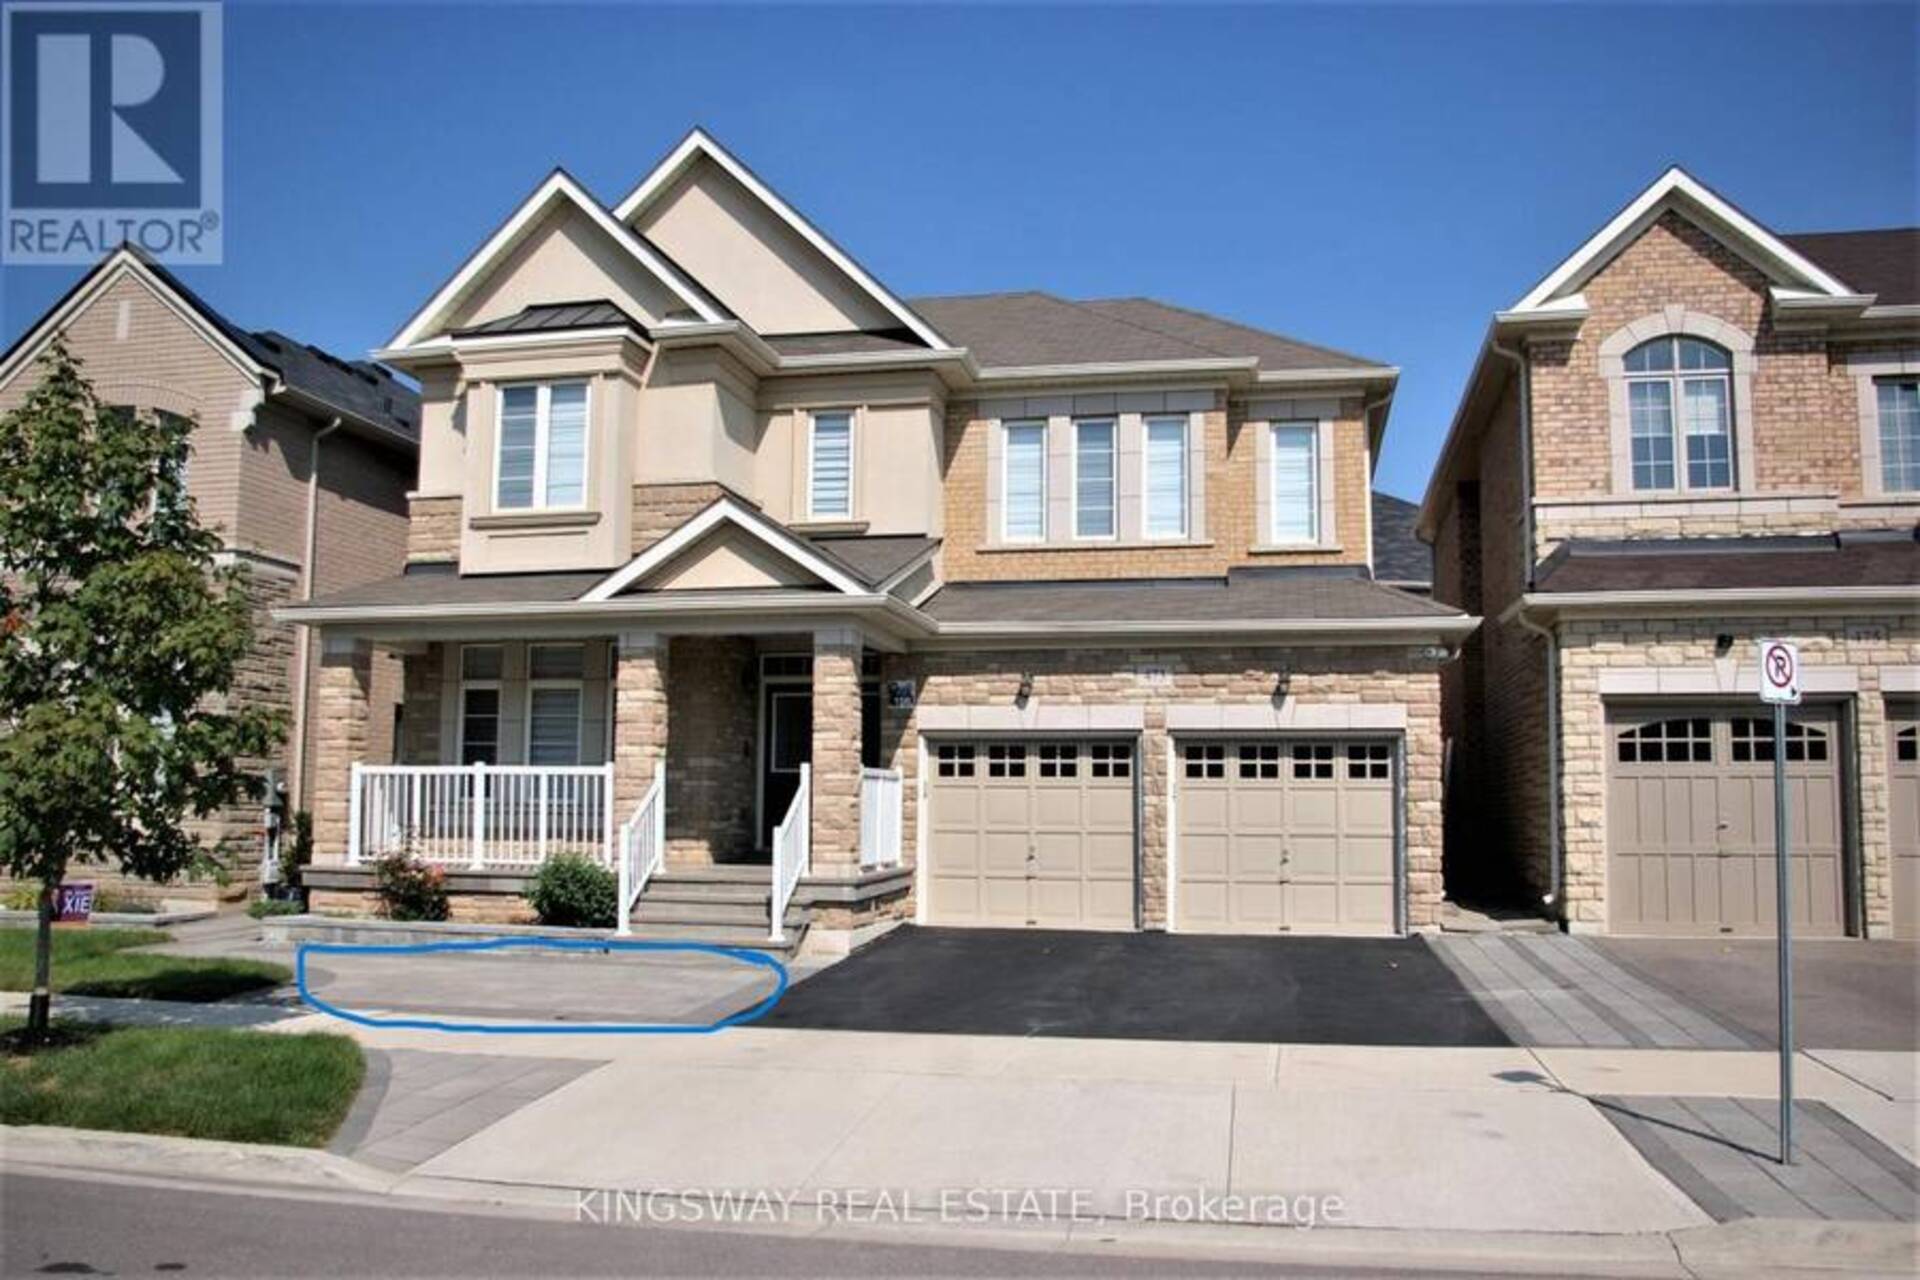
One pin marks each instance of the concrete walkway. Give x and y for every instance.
(1459, 1139)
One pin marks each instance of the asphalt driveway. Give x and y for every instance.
(1144, 986)
(1847, 994)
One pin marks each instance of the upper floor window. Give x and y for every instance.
(830, 467)
(1680, 408)
(1166, 486)
(1023, 501)
(1899, 406)
(1296, 482)
(1093, 478)
(542, 456)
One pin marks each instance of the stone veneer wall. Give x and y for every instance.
(1243, 676)
(341, 706)
(836, 753)
(659, 509)
(1863, 644)
(433, 529)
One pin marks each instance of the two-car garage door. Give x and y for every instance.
(1269, 836)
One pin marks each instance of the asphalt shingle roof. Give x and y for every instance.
(1243, 595)
(1012, 330)
(1885, 262)
(1398, 553)
(1720, 564)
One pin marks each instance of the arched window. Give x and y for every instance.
(1681, 387)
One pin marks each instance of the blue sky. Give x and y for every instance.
(1376, 179)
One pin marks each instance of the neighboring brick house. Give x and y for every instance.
(300, 460)
(999, 609)
(1692, 434)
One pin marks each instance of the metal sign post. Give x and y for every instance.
(1780, 686)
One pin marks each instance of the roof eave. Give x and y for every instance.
(1549, 605)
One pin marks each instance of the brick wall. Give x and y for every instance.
(1231, 452)
(1240, 676)
(1802, 435)
(1866, 645)
(711, 761)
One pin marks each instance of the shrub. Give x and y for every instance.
(22, 897)
(572, 892)
(261, 908)
(410, 889)
(296, 847)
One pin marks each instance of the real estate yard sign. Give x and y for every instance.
(73, 903)
(1780, 686)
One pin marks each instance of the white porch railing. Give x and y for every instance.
(643, 845)
(880, 815)
(498, 817)
(792, 852)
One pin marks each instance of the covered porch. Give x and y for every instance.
(652, 752)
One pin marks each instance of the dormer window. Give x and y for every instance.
(1680, 410)
(541, 459)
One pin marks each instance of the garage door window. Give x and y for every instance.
(1313, 759)
(1207, 761)
(1753, 741)
(1669, 741)
(1368, 761)
(1007, 760)
(1260, 760)
(954, 760)
(1906, 745)
(1058, 759)
(1111, 760)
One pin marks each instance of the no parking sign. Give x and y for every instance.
(1779, 672)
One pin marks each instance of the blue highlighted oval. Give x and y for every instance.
(741, 954)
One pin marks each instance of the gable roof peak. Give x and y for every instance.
(1725, 221)
(699, 144)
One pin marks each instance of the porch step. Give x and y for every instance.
(759, 873)
(752, 937)
(650, 910)
(660, 889)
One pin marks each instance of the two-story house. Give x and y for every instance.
(734, 568)
(1693, 434)
(300, 460)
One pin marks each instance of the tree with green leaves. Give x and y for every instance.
(119, 629)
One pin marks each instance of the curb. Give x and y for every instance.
(1744, 1248)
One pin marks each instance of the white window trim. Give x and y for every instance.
(1316, 536)
(1869, 369)
(1185, 423)
(541, 422)
(1674, 322)
(460, 712)
(853, 463)
(1007, 426)
(1112, 424)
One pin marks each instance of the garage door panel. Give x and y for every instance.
(1690, 820)
(1308, 832)
(1040, 833)
(1903, 803)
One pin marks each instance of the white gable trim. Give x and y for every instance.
(727, 511)
(114, 267)
(1753, 241)
(697, 144)
(559, 186)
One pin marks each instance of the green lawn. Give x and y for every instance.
(197, 1082)
(96, 962)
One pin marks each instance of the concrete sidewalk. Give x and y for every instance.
(1461, 1139)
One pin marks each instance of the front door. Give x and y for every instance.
(786, 744)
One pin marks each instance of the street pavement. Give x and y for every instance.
(60, 1226)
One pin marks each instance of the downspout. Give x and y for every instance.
(303, 680)
(1554, 859)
